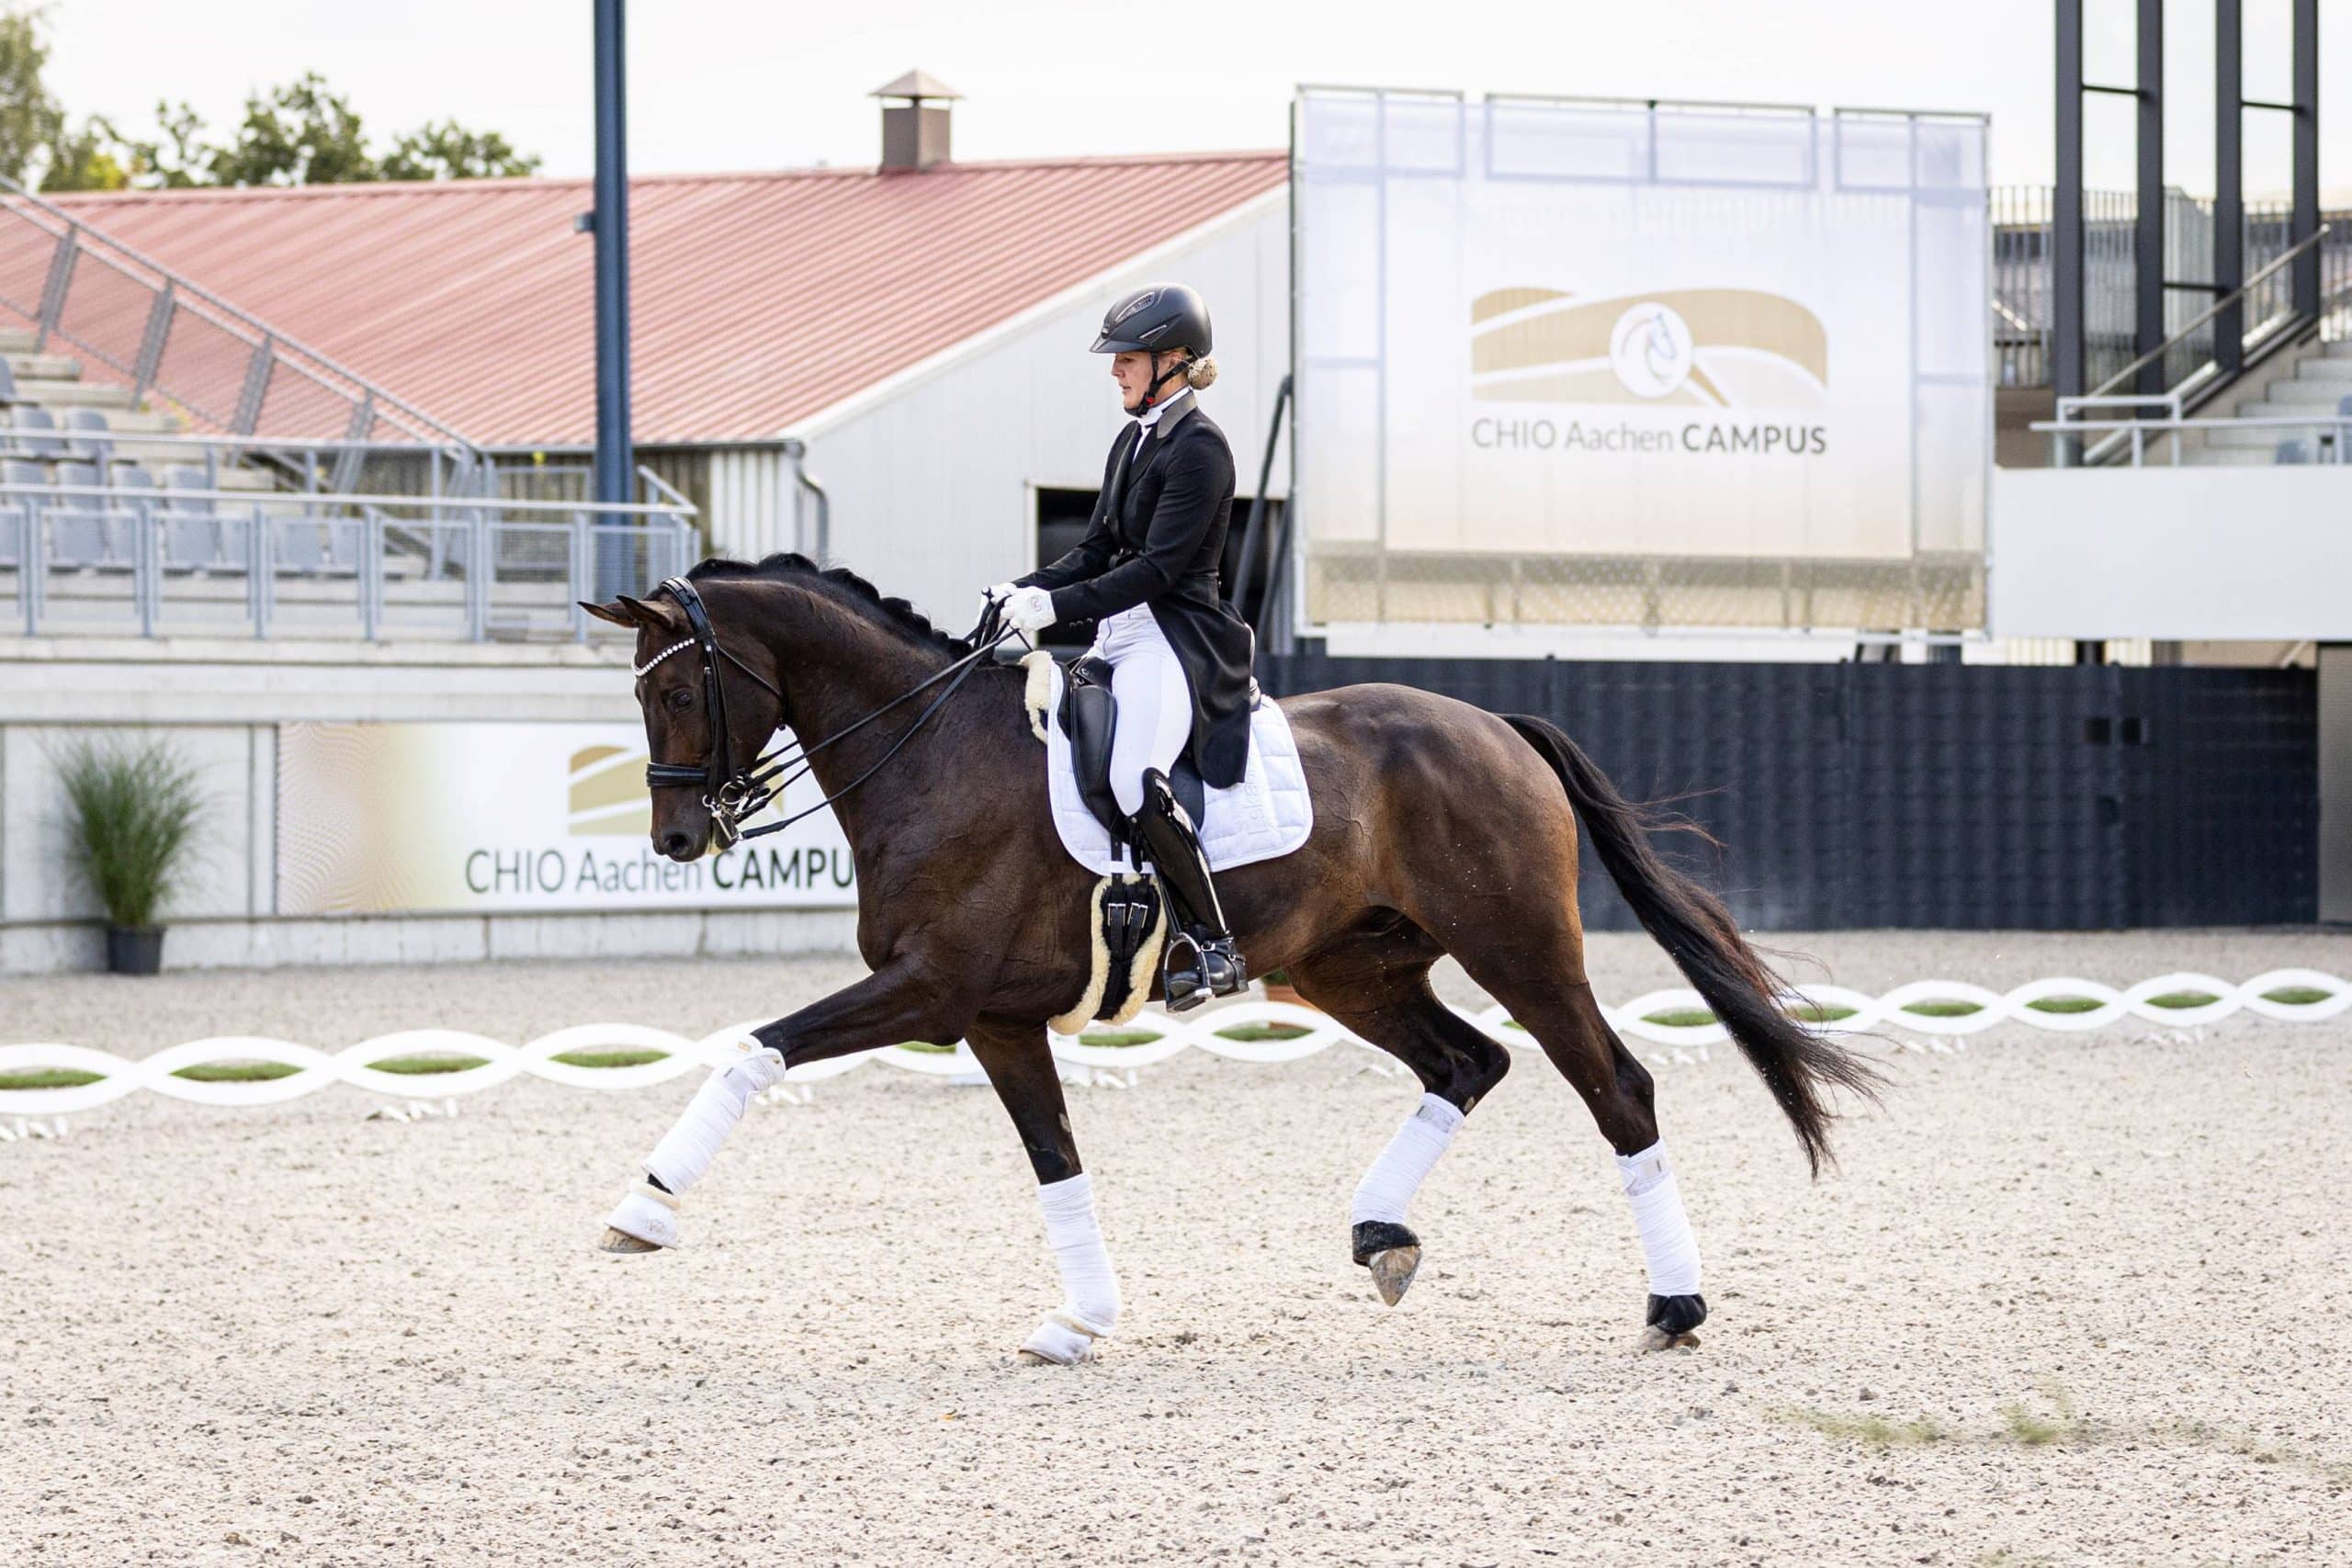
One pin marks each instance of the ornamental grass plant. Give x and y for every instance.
(133, 810)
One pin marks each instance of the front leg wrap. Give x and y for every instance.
(648, 1213)
(1089, 1308)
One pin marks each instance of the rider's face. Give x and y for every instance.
(1131, 371)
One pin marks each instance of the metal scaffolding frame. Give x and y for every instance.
(2151, 286)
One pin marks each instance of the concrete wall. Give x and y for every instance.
(2173, 553)
(219, 703)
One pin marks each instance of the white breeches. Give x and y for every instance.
(1155, 701)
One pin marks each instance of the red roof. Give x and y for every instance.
(757, 300)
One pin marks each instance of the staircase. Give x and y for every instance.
(2313, 382)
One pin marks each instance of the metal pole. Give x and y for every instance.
(2067, 377)
(2148, 230)
(2306, 215)
(2229, 184)
(1253, 537)
(616, 462)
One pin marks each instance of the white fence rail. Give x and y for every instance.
(316, 1070)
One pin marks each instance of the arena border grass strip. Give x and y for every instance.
(263, 1072)
(1115, 1039)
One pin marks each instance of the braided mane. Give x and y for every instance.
(841, 585)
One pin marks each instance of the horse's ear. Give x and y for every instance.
(625, 611)
(616, 613)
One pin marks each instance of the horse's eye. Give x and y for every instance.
(682, 699)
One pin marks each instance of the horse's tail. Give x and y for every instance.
(1700, 935)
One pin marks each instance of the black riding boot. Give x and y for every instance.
(1201, 960)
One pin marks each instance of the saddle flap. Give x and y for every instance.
(1089, 714)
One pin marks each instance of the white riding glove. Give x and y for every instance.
(992, 597)
(1029, 609)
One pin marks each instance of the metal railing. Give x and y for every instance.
(2329, 436)
(150, 561)
(2277, 323)
(2020, 309)
(311, 466)
(171, 338)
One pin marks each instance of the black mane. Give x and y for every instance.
(840, 584)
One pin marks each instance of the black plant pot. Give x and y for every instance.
(135, 950)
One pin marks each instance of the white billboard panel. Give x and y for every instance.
(1616, 365)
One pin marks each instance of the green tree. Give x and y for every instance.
(302, 133)
(178, 160)
(30, 120)
(447, 151)
(92, 158)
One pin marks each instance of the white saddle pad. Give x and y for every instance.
(1264, 816)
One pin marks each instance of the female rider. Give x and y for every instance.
(1148, 570)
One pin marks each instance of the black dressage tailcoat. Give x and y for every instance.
(1158, 538)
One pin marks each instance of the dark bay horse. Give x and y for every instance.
(1439, 828)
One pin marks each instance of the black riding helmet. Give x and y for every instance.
(1166, 317)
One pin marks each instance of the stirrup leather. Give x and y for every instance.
(1201, 960)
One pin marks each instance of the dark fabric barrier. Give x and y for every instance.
(1937, 796)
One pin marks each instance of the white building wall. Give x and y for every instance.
(752, 510)
(931, 475)
(2185, 554)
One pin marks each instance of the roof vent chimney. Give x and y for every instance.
(914, 120)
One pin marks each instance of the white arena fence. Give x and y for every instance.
(1841, 1010)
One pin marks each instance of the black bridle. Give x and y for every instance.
(731, 794)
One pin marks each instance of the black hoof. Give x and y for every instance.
(1372, 1237)
(1677, 1315)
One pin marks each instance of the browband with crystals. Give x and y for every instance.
(641, 670)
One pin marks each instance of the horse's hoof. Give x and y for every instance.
(1063, 1339)
(621, 1241)
(1669, 1320)
(1393, 1271)
(1392, 1252)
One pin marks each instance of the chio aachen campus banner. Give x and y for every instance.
(1610, 364)
(475, 818)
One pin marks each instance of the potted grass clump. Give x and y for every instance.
(1279, 988)
(133, 811)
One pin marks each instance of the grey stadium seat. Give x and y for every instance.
(36, 436)
(2294, 449)
(81, 531)
(15, 507)
(92, 440)
(191, 531)
(133, 487)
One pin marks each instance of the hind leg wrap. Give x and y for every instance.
(1089, 1308)
(1668, 1247)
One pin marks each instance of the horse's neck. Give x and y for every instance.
(837, 667)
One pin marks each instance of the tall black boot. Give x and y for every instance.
(1201, 960)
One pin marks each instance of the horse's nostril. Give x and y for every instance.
(676, 845)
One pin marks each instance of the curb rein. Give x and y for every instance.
(732, 794)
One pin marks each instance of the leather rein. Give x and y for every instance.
(732, 794)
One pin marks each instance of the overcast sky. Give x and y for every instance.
(755, 84)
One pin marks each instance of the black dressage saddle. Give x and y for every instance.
(1089, 714)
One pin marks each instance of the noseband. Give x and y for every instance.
(730, 794)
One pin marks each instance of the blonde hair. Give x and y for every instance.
(1201, 373)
